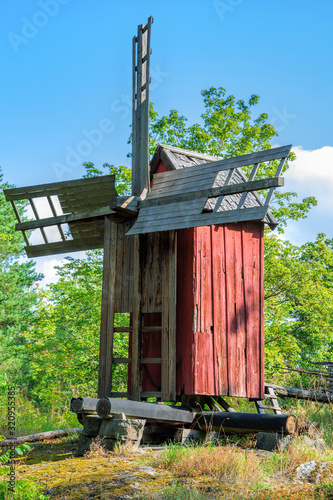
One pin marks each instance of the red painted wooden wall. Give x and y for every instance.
(220, 334)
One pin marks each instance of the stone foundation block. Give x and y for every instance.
(271, 441)
(91, 425)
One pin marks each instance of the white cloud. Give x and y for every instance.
(46, 266)
(311, 174)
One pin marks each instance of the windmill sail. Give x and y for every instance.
(140, 126)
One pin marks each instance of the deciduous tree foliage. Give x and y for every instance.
(18, 295)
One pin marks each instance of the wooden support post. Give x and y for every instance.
(168, 370)
(165, 335)
(108, 309)
(137, 321)
(172, 313)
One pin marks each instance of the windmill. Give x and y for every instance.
(183, 255)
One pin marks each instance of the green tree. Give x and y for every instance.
(18, 295)
(298, 302)
(229, 129)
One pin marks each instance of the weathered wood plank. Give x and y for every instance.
(136, 323)
(219, 310)
(121, 361)
(165, 323)
(183, 194)
(18, 218)
(147, 361)
(172, 294)
(262, 319)
(55, 188)
(62, 247)
(235, 162)
(251, 233)
(140, 139)
(167, 222)
(235, 312)
(64, 219)
(107, 310)
(127, 205)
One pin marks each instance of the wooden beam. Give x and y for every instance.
(126, 206)
(18, 218)
(235, 162)
(136, 322)
(56, 188)
(63, 247)
(172, 289)
(214, 191)
(64, 219)
(178, 220)
(108, 309)
(140, 125)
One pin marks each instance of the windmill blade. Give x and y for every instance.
(175, 201)
(78, 209)
(140, 103)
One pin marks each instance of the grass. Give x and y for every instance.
(24, 490)
(31, 419)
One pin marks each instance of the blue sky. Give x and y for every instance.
(66, 70)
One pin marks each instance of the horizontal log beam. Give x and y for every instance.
(106, 407)
(291, 392)
(83, 405)
(245, 422)
(39, 437)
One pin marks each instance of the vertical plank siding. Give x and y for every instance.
(220, 341)
(186, 311)
(220, 349)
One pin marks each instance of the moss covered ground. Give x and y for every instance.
(233, 470)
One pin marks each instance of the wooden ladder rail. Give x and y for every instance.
(270, 394)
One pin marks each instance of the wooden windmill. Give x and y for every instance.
(183, 255)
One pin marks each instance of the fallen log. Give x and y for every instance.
(239, 423)
(83, 405)
(155, 412)
(39, 437)
(291, 392)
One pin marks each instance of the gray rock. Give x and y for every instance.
(188, 436)
(91, 425)
(83, 445)
(271, 441)
(319, 443)
(122, 430)
(147, 470)
(311, 471)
